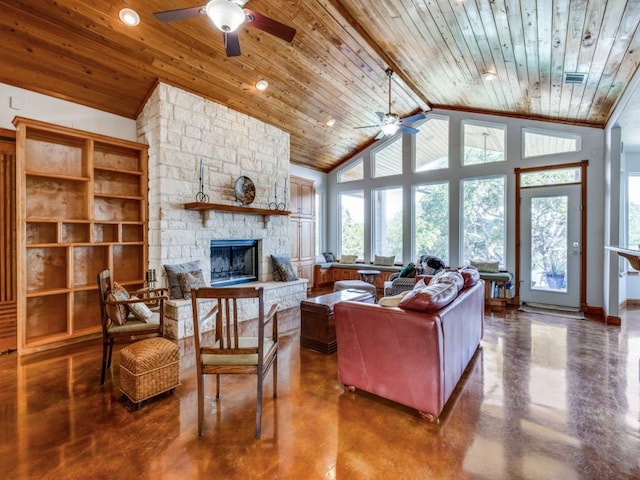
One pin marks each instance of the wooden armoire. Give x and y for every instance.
(302, 202)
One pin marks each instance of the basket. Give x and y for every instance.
(149, 367)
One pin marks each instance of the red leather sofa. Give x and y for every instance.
(413, 354)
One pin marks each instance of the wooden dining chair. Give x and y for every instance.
(119, 324)
(226, 350)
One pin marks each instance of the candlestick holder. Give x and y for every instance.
(201, 196)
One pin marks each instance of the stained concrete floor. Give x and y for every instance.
(545, 397)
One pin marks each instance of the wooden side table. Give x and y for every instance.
(369, 276)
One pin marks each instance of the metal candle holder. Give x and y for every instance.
(275, 205)
(201, 196)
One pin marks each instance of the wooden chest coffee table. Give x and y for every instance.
(318, 330)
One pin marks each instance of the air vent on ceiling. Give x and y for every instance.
(575, 78)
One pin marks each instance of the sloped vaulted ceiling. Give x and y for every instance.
(335, 66)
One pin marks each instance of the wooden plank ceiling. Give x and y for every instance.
(335, 66)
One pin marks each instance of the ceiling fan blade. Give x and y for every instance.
(414, 118)
(179, 14)
(269, 25)
(380, 135)
(382, 117)
(369, 126)
(232, 44)
(409, 130)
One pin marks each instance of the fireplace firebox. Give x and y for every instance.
(233, 262)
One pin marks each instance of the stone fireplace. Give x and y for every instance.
(184, 131)
(233, 262)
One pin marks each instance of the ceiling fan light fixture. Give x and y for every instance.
(390, 128)
(262, 84)
(226, 15)
(129, 16)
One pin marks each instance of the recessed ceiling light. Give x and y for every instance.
(331, 122)
(262, 84)
(130, 17)
(489, 75)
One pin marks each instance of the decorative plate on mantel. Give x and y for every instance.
(245, 190)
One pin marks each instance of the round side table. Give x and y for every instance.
(368, 276)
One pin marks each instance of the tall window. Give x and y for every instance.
(432, 145)
(536, 143)
(352, 173)
(431, 220)
(352, 223)
(633, 206)
(387, 222)
(483, 217)
(388, 160)
(483, 142)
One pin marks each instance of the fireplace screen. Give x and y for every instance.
(233, 261)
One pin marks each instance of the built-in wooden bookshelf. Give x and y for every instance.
(81, 208)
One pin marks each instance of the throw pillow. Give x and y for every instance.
(329, 257)
(430, 299)
(348, 258)
(471, 276)
(419, 284)
(392, 301)
(189, 280)
(431, 265)
(140, 310)
(434, 279)
(117, 313)
(282, 269)
(450, 276)
(409, 271)
(487, 267)
(384, 261)
(175, 291)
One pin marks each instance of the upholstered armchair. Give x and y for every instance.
(397, 284)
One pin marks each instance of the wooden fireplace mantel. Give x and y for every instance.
(205, 206)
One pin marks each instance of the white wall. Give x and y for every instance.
(17, 102)
(592, 150)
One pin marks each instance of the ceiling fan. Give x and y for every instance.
(227, 16)
(390, 123)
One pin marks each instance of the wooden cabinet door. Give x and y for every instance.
(294, 195)
(306, 199)
(306, 239)
(294, 239)
(8, 280)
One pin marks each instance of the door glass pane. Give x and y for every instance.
(549, 243)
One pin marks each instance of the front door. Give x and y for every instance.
(550, 250)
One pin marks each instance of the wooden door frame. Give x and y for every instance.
(583, 223)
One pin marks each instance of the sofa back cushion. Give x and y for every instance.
(431, 298)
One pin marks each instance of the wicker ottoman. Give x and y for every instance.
(149, 367)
